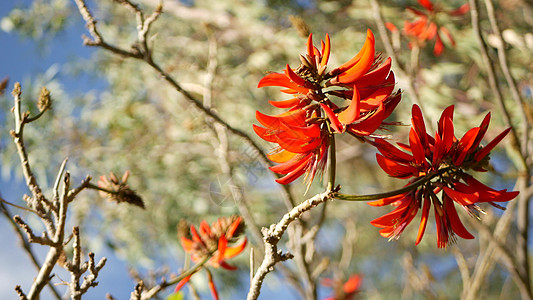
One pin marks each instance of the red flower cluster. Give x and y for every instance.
(441, 164)
(425, 27)
(303, 132)
(343, 290)
(212, 242)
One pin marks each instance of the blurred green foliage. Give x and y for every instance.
(139, 123)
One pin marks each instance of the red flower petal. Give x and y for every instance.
(463, 9)
(417, 121)
(295, 118)
(439, 46)
(482, 130)
(391, 27)
(290, 165)
(286, 103)
(268, 135)
(325, 51)
(280, 155)
(375, 76)
(460, 197)
(387, 201)
(391, 152)
(466, 144)
(233, 227)
(370, 123)
(455, 222)
(310, 48)
(187, 244)
(353, 111)
(235, 250)
(426, 4)
(182, 283)
(222, 244)
(395, 169)
(377, 95)
(297, 79)
(293, 175)
(391, 219)
(204, 228)
(362, 66)
(485, 150)
(334, 121)
(352, 284)
(212, 286)
(423, 220)
(417, 148)
(354, 60)
(278, 79)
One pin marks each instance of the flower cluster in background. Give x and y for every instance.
(210, 245)
(426, 26)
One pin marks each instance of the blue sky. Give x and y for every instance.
(20, 60)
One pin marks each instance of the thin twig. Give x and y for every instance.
(26, 245)
(523, 206)
(273, 235)
(145, 56)
(164, 284)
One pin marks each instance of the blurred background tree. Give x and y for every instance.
(219, 50)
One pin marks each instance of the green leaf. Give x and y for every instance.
(176, 296)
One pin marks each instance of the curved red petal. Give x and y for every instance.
(387, 201)
(233, 227)
(353, 111)
(455, 222)
(292, 176)
(212, 286)
(264, 133)
(280, 155)
(417, 148)
(439, 46)
(465, 144)
(362, 66)
(297, 79)
(377, 75)
(417, 121)
(334, 121)
(310, 48)
(423, 220)
(354, 60)
(395, 169)
(187, 244)
(235, 250)
(460, 197)
(426, 4)
(485, 150)
(285, 103)
(290, 165)
(369, 123)
(182, 282)
(389, 151)
(326, 51)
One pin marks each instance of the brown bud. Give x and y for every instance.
(44, 102)
(299, 24)
(3, 85)
(16, 90)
